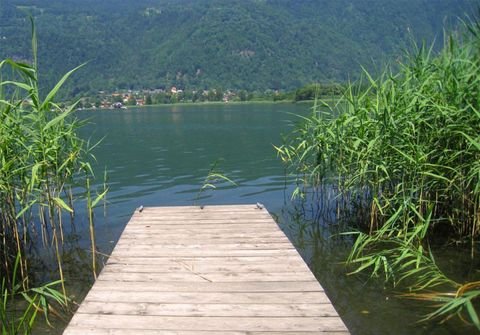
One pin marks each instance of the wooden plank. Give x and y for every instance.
(219, 260)
(192, 233)
(200, 216)
(171, 245)
(200, 230)
(96, 331)
(242, 236)
(206, 253)
(212, 310)
(162, 286)
(214, 270)
(206, 268)
(128, 239)
(207, 297)
(210, 277)
(204, 224)
(203, 215)
(205, 209)
(221, 221)
(199, 233)
(135, 322)
(245, 260)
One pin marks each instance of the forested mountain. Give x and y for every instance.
(232, 44)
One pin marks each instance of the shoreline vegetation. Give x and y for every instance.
(216, 103)
(403, 151)
(174, 96)
(44, 171)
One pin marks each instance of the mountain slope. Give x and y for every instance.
(247, 44)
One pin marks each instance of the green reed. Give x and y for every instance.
(404, 152)
(33, 302)
(42, 160)
(214, 176)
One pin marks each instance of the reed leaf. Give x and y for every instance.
(403, 152)
(41, 160)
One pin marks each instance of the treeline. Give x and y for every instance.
(313, 91)
(174, 95)
(207, 44)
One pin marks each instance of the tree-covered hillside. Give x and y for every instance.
(232, 44)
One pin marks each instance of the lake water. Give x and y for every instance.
(161, 156)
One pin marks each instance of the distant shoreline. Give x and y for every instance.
(205, 103)
(213, 103)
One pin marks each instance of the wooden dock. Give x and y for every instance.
(217, 270)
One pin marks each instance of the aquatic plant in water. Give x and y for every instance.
(214, 176)
(404, 151)
(32, 301)
(41, 161)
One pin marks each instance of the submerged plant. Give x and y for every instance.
(404, 153)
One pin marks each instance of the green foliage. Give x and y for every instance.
(214, 176)
(37, 300)
(204, 44)
(404, 151)
(41, 161)
(148, 100)
(243, 95)
(313, 91)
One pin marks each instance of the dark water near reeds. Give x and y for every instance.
(161, 155)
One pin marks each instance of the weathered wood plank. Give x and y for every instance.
(192, 234)
(200, 216)
(200, 230)
(204, 209)
(135, 322)
(96, 331)
(204, 277)
(153, 247)
(201, 236)
(205, 224)
(214, 270)
(158, 285)
(169, 239)
(208, 297)
(206, 253)
(205, 310)
(206, 268)
(162, 221)
(244, 260)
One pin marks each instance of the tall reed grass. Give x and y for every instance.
(19, 307)
(404, 151)
(42, 160)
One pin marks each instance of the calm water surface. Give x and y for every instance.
(160, 156)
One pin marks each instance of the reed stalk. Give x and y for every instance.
(41, 160)
(404, 150)
(213, 177)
